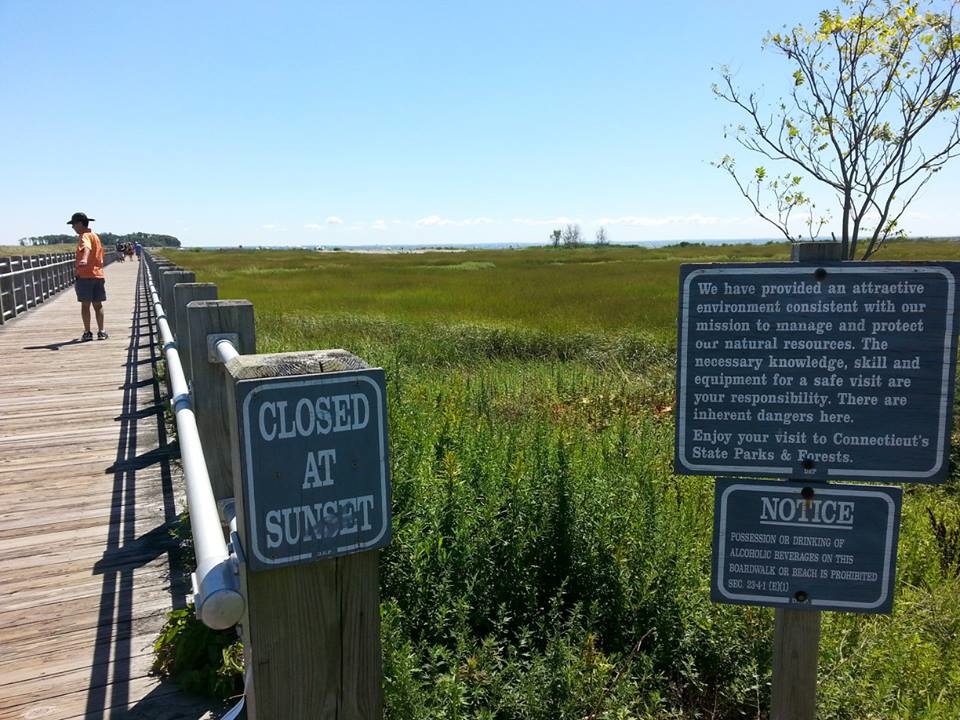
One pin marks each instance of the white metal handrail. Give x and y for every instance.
(216, 585)
(23, 271)
(225, 351)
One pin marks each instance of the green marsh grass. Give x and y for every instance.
(546, 561)
(17, 250)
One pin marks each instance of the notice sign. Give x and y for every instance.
(314, 462)
(806, 371)
(817, 546)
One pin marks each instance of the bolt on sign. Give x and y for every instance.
(819, 372)
(816, 547)
(315, 471)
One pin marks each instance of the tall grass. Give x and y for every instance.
(546, 561)
(18, 250)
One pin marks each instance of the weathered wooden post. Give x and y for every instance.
(36, 275)
(308, 433)
(30, 262)
(49, 274)
(796, 634)
(21, 280)
(28, 298)
(42, 277)
(184, 294)
(207, 320)
(4, 268)
(162, 267)
(168, 282)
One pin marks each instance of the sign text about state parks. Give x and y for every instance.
(797, 370)
(817, 546)
(314, 463)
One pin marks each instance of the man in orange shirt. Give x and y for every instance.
(91, 284)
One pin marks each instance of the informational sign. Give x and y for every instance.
(806, 371)
(816, 546)
(315, 471)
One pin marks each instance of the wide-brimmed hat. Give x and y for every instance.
(79, 217)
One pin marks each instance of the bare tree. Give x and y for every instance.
(868, 86)
(555, 238)
(602, 236)
(572, 236)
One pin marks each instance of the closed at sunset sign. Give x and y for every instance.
(315, 468)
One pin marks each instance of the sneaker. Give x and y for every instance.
(101, 335)
(87, 336)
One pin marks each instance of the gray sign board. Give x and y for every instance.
(805, 546)
(839, 371)
(315, 471)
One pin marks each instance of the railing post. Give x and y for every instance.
(48, 268)
(4, 267)
(22, 278)
(28, 298)
(42, 277)
(28, 288)
(205, 318)
(312, 631)
(169, 282)
(183, 294)
(35, 262)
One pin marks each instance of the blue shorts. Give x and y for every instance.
(91, 290)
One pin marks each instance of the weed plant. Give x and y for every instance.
(546, 562)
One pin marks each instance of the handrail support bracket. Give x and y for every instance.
(213, 355)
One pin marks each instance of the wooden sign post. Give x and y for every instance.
(311, 482)
(796, 633)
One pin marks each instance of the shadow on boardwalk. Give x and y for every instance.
(125, 551)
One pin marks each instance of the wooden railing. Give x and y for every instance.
(310, 626)
(28, 280)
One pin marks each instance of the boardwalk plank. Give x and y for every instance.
(88, 491)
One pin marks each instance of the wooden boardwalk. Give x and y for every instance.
(87, 496)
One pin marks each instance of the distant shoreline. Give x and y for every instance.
(418, 249)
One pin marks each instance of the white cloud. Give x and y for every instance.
(272, 227)
(334, 220)
(553, 221)
(379, 225)
(436, 220)
(660, 221)
(313, 226)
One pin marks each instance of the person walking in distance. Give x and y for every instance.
(91, 284)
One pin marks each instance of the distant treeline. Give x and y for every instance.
(108, 239)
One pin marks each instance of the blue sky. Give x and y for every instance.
(302, 123)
